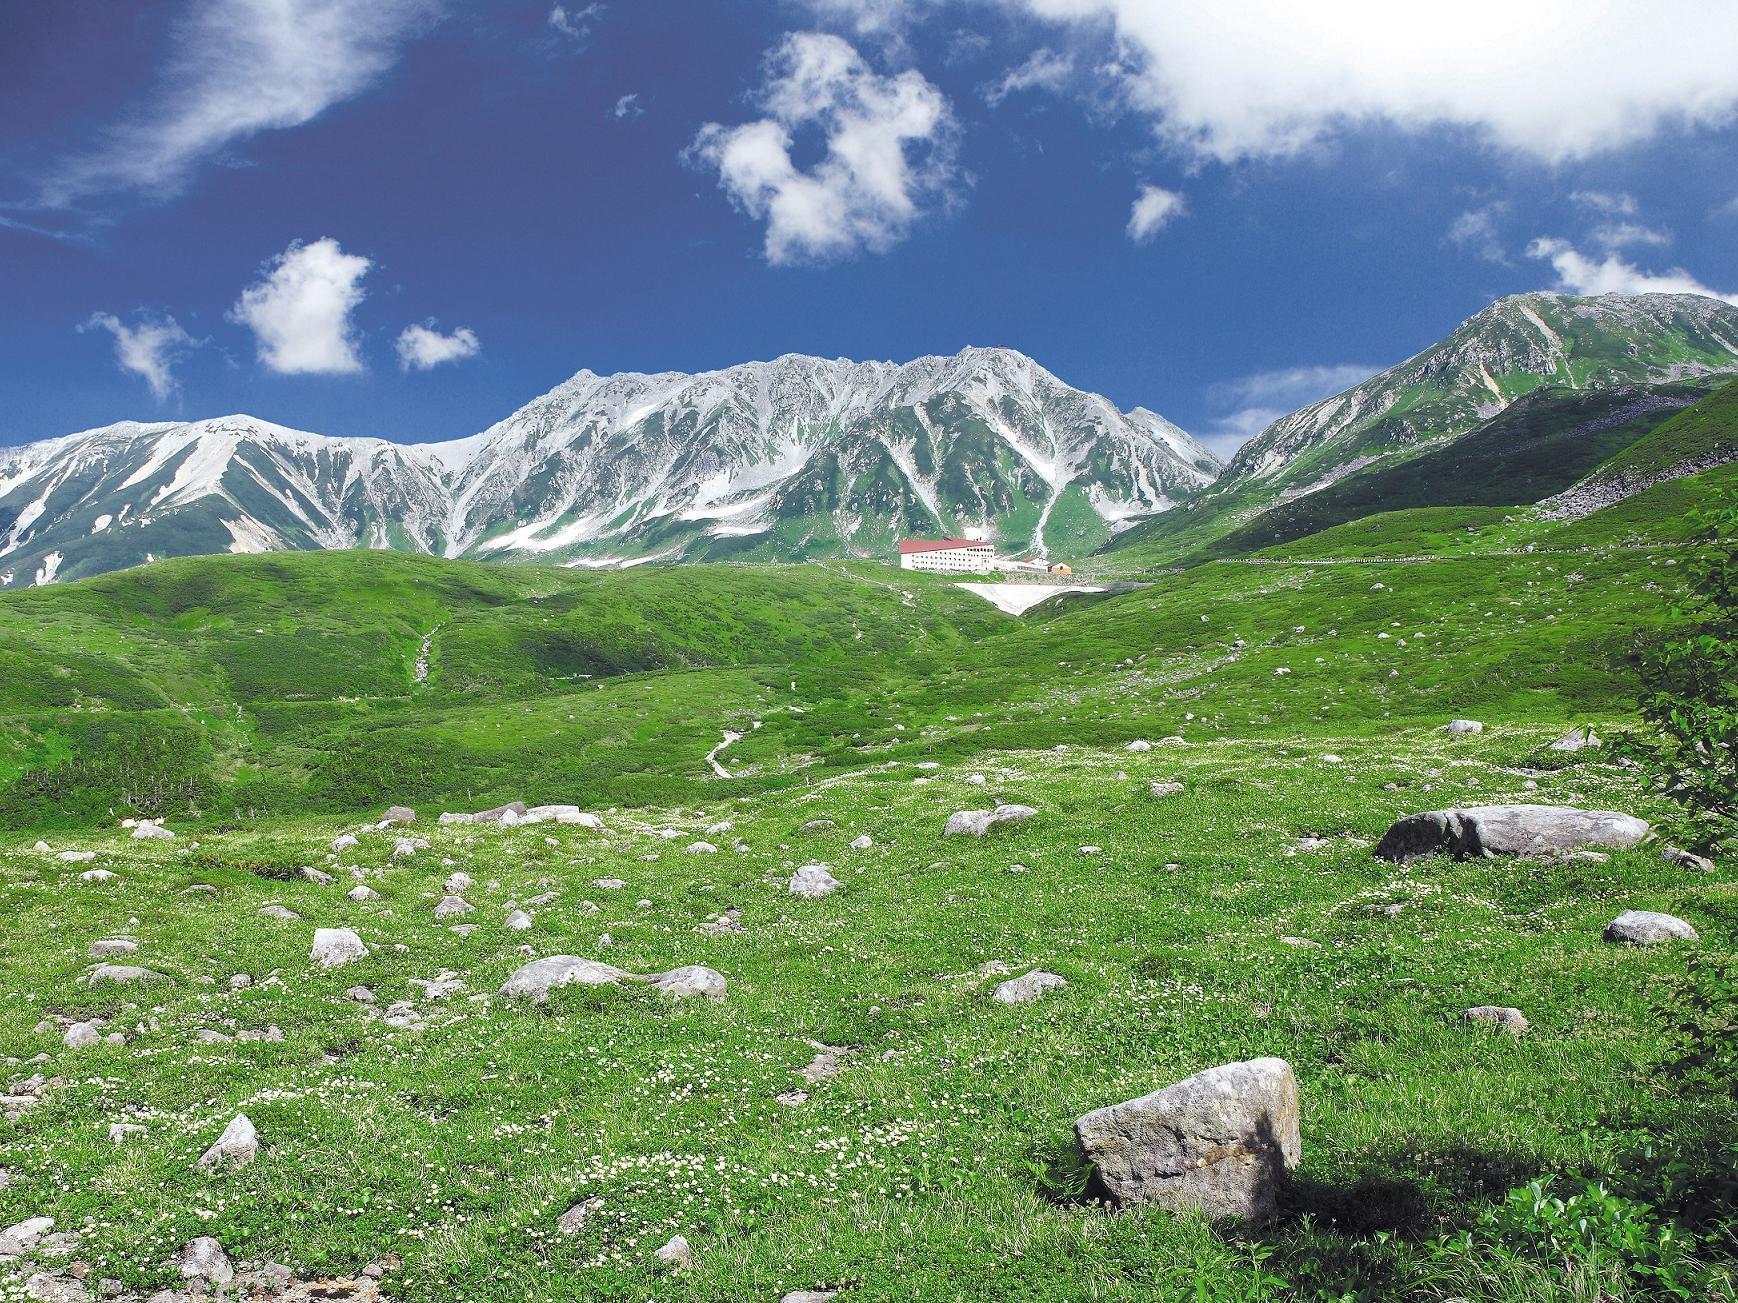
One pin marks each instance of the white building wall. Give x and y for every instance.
(952, 560)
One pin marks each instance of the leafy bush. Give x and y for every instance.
(1690, 686)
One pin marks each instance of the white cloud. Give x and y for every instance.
(237, 68)
(423, 347)
(576, 22)
(1154, 209)
(1624, 235)
(1044, 70)
(299, 310)
(628, 106)
(1612, 203)
(1260, 399)
(149, 349)
(1579, 274)
(867, 18)
(887, 152)
(1552, 79)
(1476, 229)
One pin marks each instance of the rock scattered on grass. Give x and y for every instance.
(1686, 859)
(1641, 927)
(1164, 789)
(862, 843)
(112, 948)
(453, 907)
(975, 823)
(690, 980)
(279, 912)
(121, 973)
(152, 832)
(21, 1237)
(1577, 739)
(534, 981)
(1139, 744)
(204, 1260)
(1509, 830)
(1029, 987)
(238, 1144)
(676, 1253)
(397, 814)
(361, 892)
(1463, 727)
(335, 946)
(517, 921)
(813, 881)
(1221, 1141)
(1509, 1019)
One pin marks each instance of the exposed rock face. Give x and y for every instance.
(537, 979)
(975, 823)
(1509, 1019)
(238, 1144)
(1509, 830)
(1640, 927)
(1221, 1141)
(1029, 987)
(336, 946)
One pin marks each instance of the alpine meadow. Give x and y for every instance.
(737, 831)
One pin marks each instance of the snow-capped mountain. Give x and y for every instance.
(798, 457)
(1511, 348)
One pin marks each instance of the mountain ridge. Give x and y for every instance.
(800, 456)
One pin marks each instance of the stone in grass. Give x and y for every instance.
(21, 1237)
(1577, 739)
(1029, 987)
(335, 946)
(320, 876)
(687, 981)
(112, 948)
(574, 1219)
(344, 841)
(453, 907)
(817, 825)
(517, 921)
(279, 912)
(809, 1296)
(862, 843)
(975, 823)
(121, 973)
(458, 883)
(812, 881)
(1463, 727)
(203, 1259)
(676, 1253)
(1221, 1141)
(81, 1035)
(1509, 1019)
(1164, 789)
(1686, 859)
(152, 832)
(1641, 927)
(1509, 830)
(1139, 744)
(534, 981)
(399, 814)
(238, 1144)
(361, 892)
(701, 848)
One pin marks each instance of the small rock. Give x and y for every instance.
(818, 825)
(813, 881)
(361, 994)
(152, 832)
(311, 874)
(862, 843)
(1510, 1020)
(1686, 859)
(1640, 927)
(1164, 789)
(96, 875)
(238, 1144)
(279, 912)
(1463, 727)
(21, 1237)
(361, 892)
(344, 842)
(975, 823)
(1577, 739)
(517, 921)
(692, 980)
(457, 884)
(398, 814)
(1029, 987)
(121, 973)
(81, 1035)
(112, 948)
(575, 1217)
(336, 946)
(203, 1259)
(1139, 744)
(453, 907)
(676, 1253)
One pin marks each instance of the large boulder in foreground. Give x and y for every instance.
(541, 976)
(1509, 830)
(1222, 1141)
(1643, 927)
(975, 823)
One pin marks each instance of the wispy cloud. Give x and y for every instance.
(1478, 231)
(575, 23)
(148, 350)
(1255, 401)
(886, 152)
(628, 106)
(238, 68)
(299, 310)
(1043, 70)
(423, 347)
(1154, 209)
(1577, 273)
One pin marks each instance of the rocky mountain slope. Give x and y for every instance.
(1652, 346)
(799, 457)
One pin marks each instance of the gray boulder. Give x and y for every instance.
(1683, 859)
(152, 832)
(1509, 830)
(535, 980)
(1164, 789)
(203, 1259)
(1641, 927)
(500, 813)
(813, 881)
(21, 1237)
(335, 946)
(1221, 1141)
(1577, 739)
(691, 980)
(121, 973)
(1463, 727)
(398, 814)
(676, 1253)
(1029, 987)
(975, 823)
(453, 907)
(1510, 1020)
(113, 948)
(238, 1144)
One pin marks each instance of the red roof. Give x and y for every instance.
(909, 545)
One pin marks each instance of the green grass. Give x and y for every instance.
(264, 704)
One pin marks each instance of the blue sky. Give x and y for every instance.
(405, 218)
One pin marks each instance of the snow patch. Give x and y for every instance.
(1017, 599)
